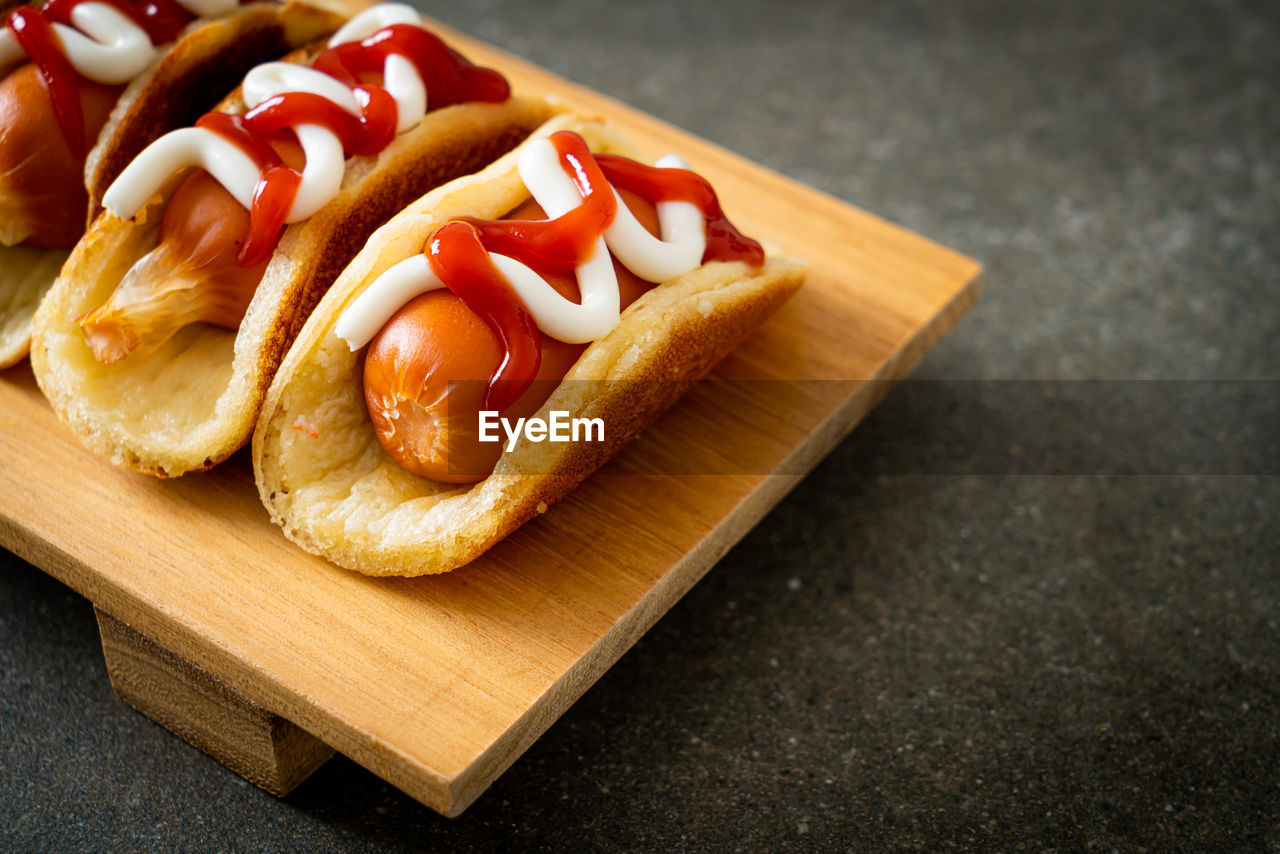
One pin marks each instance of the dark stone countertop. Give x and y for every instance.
(1014, 616)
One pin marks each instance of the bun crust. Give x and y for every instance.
(193, 402)
(25, 276)
(338, 494)
(203, 64)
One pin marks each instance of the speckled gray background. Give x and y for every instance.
(975, 624)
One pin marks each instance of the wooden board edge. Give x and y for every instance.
(422, 782)
(264, 748)
(476, 778)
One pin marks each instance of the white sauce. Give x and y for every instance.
(679, 250)
(325, 163)
(105, 45)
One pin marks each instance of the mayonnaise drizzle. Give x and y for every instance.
(325, 161)
(679, 250)
(104, 44)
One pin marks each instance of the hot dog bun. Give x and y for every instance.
(189, 77)
(193, 402)
(326, 480)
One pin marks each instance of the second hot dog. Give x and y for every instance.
(161, 336)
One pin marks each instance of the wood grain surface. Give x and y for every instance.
(262, 747)
(437, 684)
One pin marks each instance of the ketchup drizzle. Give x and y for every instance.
(32, 28)
(271, 197)
(449, 77)
(458, 250)
(34, 34)
(724, 241)
(464, 264)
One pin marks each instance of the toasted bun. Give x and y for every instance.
(25, 276)
(197, 70)
(191, 403)
(337, 494)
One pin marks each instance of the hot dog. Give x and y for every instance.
(164, 330)
(86, 85)
(366, 452)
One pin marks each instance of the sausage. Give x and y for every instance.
(191, 276)
(426, 372)
(42, 192)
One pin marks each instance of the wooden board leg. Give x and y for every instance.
(262, 747)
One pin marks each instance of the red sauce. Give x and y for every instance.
(458, 251)
(274, 193)
(724, 242)
(32, 28)
(449, 77)
(162, 20)
(459, 258)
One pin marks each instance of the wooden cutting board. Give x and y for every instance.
(265, 656)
